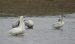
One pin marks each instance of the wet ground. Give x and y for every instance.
(42, 33)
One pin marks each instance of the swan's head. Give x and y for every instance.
(21, 16)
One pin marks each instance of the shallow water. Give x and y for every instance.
(42, 33)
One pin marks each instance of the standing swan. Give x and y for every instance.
(20, 29)
(59, 23)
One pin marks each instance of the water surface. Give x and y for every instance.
(42, 33)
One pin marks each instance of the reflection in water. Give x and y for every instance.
(42, 32)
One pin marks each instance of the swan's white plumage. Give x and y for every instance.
(58, 24)
(29, 23)
(20, 29)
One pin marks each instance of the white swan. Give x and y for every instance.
(29, 23)
(20, 29)
(59, 23)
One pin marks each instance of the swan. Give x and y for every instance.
(59, 24)
(29, 23)
(18, 30)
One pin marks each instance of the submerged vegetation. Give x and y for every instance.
(36, 7)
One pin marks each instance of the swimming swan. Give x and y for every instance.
(58, 24)
(29, 23)
(20, 29)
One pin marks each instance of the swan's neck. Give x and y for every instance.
(22, 25)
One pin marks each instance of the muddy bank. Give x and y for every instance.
(36, 7)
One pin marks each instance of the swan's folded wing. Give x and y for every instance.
(16, 24)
